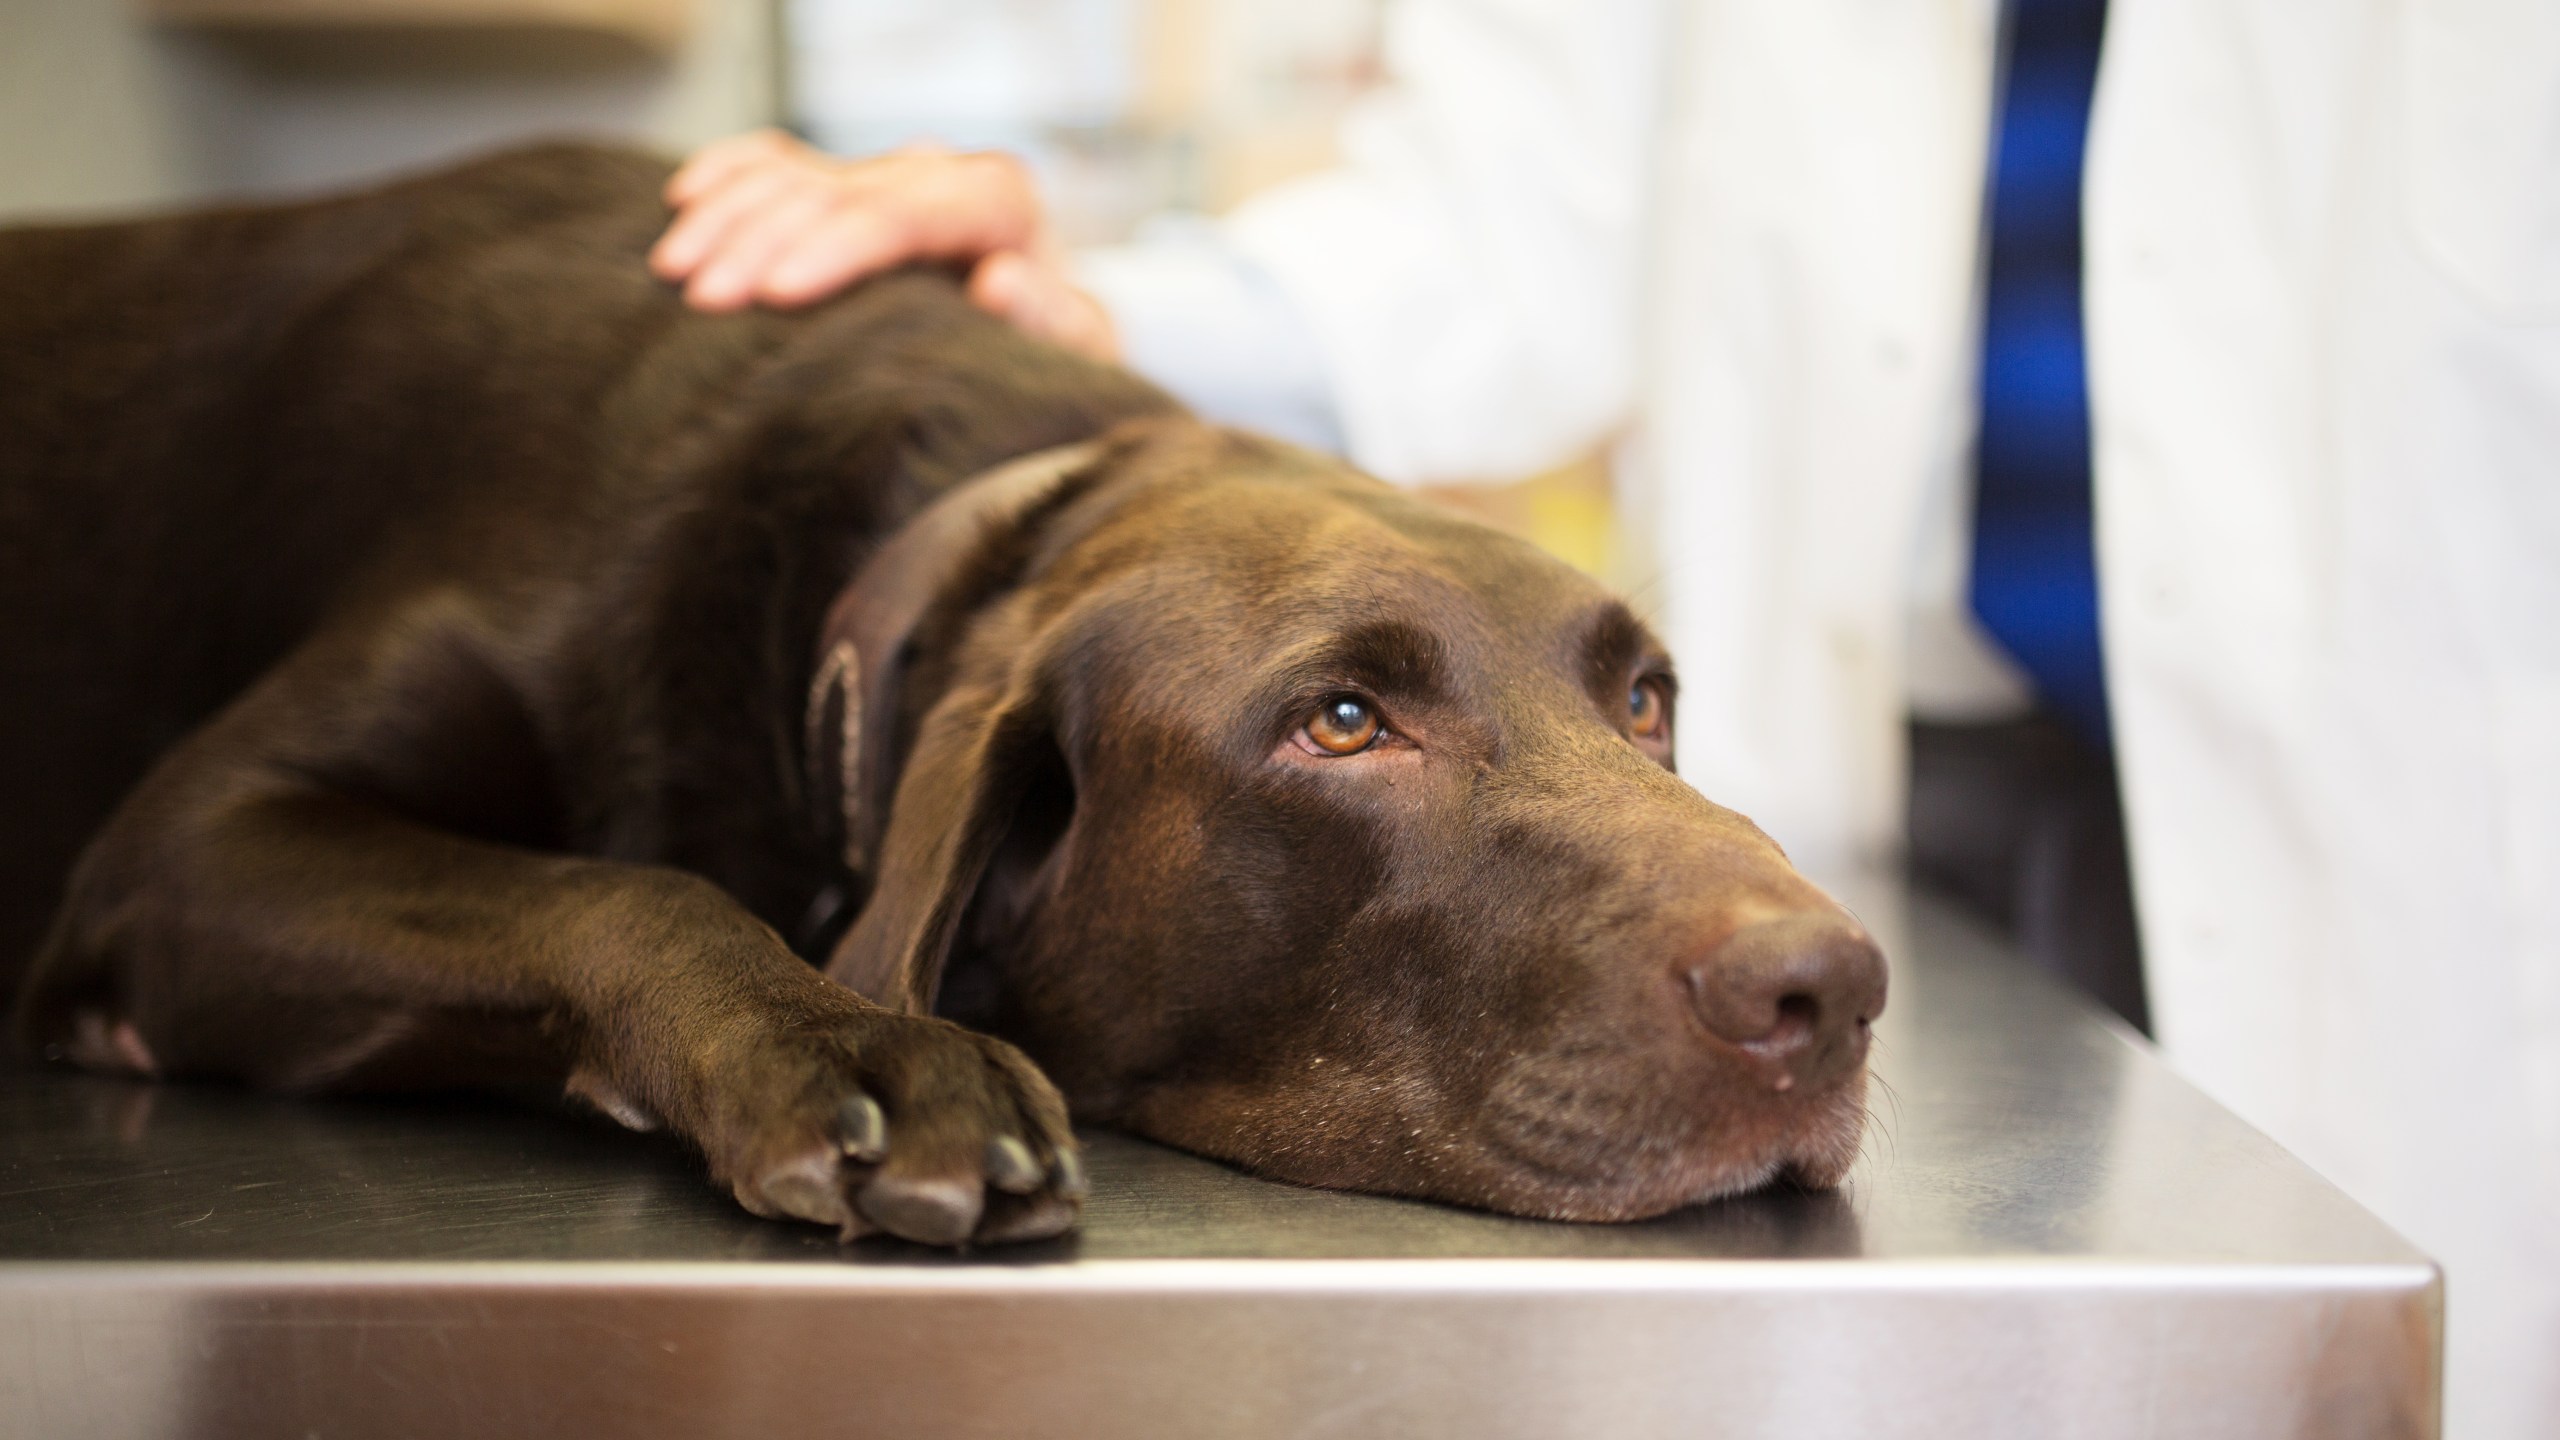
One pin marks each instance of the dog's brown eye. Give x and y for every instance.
(1645, 710)
(1343, 726)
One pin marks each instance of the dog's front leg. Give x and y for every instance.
(236, 919)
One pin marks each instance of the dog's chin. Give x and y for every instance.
(1590, 1164)
(1811, 1145)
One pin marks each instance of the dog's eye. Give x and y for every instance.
(1646, 714)
(1343, 725)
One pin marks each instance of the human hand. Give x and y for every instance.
(763, 218)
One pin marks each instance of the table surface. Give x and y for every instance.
(2014, 1122)
(2024, 1144)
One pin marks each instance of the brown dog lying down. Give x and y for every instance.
(465, 666)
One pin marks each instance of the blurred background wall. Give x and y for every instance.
(1127, 106)
(115, 105)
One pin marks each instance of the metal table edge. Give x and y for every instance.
(1559, 1275)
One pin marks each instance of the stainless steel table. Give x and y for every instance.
(2050, 1235)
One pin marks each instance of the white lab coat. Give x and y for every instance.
(2324, 304)
(2323, 252)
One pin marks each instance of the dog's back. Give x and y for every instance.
(220, 430)
(211, 425)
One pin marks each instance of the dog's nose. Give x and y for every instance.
(1795, 993)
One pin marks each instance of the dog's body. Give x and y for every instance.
(450, 653)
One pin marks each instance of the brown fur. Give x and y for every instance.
(409, 612)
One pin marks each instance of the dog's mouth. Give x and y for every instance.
(1572, 1152)
(1556, 1138)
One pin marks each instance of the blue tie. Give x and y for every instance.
(2034, 567)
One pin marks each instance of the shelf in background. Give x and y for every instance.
(656, 24)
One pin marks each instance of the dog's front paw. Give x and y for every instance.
(887, 1122)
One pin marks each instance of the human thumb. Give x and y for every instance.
(1040, 300)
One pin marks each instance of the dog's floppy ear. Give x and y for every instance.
(921, 824)
(955, 799)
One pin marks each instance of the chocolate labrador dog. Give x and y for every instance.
(436, 657)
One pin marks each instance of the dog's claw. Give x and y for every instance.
(929, 1212)
(864, 1127)
(1070, 1173)
(1011, 1219)
(1011, 1167)
(804, 1194)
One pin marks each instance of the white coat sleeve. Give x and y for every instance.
(1459, 293)
(1207, 324)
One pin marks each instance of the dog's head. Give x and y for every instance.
(1288, 819)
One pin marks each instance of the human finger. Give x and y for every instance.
(734, 274)
(1038, 297)
(699, 231)
(708, 167)
(854, 239)
(908, 205)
